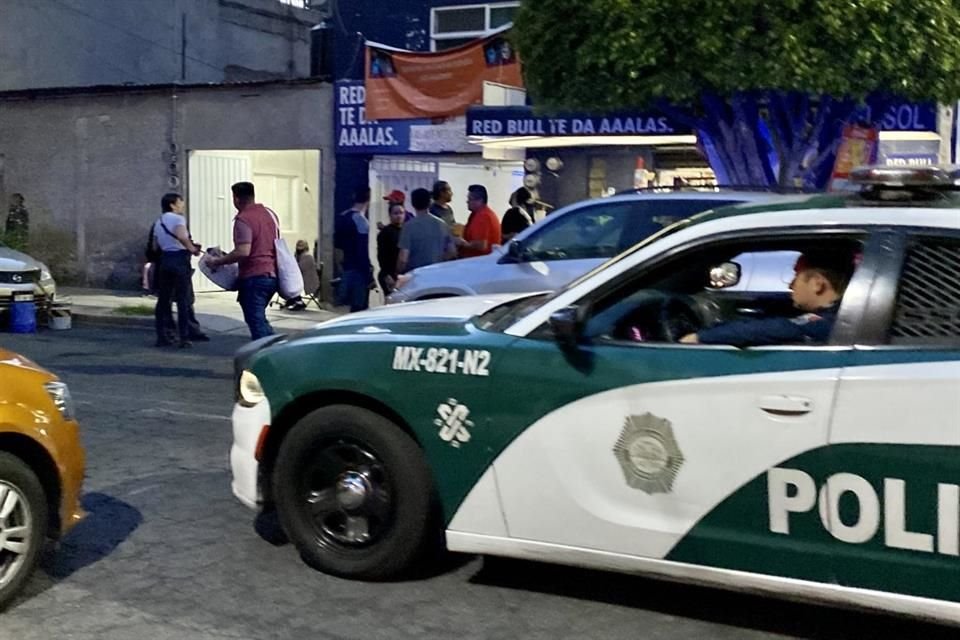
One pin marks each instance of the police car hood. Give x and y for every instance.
(415, 317)
(457, 308)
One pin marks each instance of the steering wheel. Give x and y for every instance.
(677, 317)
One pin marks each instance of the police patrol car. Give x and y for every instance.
(573, 428)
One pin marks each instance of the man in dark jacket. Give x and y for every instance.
(818, 284)
(387, 248)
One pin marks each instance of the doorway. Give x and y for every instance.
(287, 181)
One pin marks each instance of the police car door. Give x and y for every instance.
(892, 501)
(665, 451)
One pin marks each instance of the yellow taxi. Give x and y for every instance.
(41, 467)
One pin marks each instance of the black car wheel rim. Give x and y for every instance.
(348, 494)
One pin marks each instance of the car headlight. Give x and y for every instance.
(60, 395)
(250, 392)
(45, 275)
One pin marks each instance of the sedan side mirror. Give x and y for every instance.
(514, 252)
(724, 276)
(567, 324)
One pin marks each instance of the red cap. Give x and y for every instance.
(396, 196)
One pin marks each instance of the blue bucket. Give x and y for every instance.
(23, 317)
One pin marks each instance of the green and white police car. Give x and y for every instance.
(573, 428)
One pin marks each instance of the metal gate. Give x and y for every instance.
(210, 203)
(387, 174)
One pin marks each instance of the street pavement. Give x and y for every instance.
(167, 552)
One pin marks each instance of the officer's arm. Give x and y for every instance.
(752, 333)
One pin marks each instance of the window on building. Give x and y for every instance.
(454, 26)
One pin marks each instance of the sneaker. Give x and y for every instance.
(200, 337)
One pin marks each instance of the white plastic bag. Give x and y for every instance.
(224, 276)
(289, 278)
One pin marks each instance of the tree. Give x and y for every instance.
(767, 86)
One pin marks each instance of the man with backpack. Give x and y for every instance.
(170, 248)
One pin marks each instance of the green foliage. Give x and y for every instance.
(615, 54)
(13, 240)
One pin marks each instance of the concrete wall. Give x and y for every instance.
(70, 43)
(93, 165)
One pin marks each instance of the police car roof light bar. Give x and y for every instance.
(929, 177)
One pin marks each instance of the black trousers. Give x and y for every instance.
(173, 285)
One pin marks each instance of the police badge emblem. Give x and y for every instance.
(648, 453)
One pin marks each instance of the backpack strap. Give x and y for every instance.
(167, 230)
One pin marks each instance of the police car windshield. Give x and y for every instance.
(504, 315)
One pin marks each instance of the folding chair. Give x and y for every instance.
(316, 296)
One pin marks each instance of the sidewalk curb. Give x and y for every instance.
(105, 320)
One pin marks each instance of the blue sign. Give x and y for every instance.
(908, 116)
(357, 135)
(520, 121)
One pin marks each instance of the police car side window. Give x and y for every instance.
(679, 290)
(927, 310)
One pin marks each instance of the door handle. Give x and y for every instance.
(784, 405)
(749, 311)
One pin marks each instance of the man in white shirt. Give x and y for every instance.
(173, 273)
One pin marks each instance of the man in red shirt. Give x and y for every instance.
(254, 239)
(483, 226)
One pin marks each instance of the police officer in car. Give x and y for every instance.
(817, 287)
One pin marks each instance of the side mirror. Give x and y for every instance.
(567, 324)
(725, 275)
(513, 253)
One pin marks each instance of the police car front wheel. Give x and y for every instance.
(354, 493)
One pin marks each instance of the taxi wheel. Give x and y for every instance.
(354, 493)
(23, 512)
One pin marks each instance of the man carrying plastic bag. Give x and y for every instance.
(262, 259)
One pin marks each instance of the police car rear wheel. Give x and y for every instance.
(353, 493)
(23, 512)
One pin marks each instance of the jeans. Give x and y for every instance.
(355, 290)
(173, 285)
(254, 295)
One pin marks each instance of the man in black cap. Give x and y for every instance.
(820, 279)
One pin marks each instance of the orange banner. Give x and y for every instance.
(405, 84)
